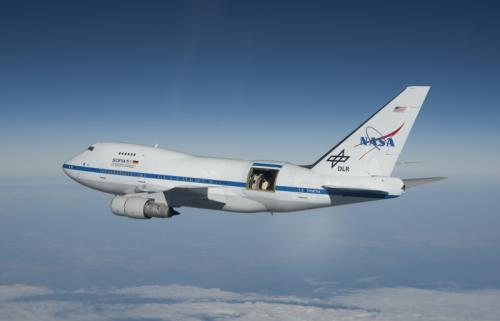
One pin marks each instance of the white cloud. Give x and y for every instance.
(193, 303)
(9, 292)
(177, 292)
(429, 304)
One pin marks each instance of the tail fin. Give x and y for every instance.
(374, 147)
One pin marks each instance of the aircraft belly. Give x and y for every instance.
(246, 201)
(287, 201)
(107, 186)
(290, 201)
(234, 200)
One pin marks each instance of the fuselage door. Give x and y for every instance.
(262, 179)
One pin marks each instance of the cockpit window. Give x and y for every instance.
(91, 148)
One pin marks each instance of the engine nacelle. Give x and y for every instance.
(140, 208)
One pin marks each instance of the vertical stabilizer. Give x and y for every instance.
(374, 147)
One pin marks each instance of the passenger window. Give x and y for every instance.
(262, 179)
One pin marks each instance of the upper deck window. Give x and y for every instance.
(126, 154)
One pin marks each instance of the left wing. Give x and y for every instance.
(151, 201)
(192, 197)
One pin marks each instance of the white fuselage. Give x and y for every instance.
(120, 168)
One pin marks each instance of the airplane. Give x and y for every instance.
(148, 181)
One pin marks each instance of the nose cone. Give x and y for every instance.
(76, 167)
(65, 169)
(69, 167)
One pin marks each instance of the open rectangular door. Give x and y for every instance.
(262, 179)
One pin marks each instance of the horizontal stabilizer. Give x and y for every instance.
(412, 182)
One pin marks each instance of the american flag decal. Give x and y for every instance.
(399, 109)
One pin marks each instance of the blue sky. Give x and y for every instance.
(214, 78)
(251, 80)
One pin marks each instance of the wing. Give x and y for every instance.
(191, 196)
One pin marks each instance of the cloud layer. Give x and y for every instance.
(174, 302)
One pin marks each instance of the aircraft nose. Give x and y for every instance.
(68, 167)
(65, 169)
(74, 166)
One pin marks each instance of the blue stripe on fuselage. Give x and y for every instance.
(189, 179)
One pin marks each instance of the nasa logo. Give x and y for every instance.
(377, 142)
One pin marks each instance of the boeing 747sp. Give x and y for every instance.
(153, 182)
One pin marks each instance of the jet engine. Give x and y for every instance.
(140, 208)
